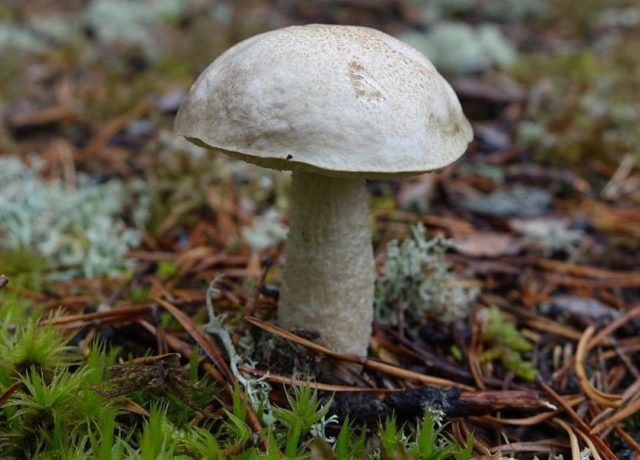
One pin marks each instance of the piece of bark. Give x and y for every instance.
(409, 404)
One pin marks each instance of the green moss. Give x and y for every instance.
(72, 407)
(506, 344)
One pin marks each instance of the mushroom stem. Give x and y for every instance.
(328, 278)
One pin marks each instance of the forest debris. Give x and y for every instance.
(604, 399)
(186, 350)
(578, 420)
(368, 363)
(614, 325)
(170, 101)
(412, 403)
(456, 226)
(205, 342)
(622, 413)
(271, 377)
(163, 373)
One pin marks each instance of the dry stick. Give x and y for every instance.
(576, 418)
(604, 399)
(371, 364)
(573, 439)
(527, 421)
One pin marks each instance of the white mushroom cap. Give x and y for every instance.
(339, 100)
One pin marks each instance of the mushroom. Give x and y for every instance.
(336, 105)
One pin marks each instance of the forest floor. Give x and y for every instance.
(508, 293)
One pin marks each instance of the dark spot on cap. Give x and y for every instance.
(289, 157)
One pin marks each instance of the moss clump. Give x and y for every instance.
(506, 344)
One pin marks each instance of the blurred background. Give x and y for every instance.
(89, 89)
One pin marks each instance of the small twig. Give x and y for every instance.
(369, 363)
(527, 421)
(305, 383)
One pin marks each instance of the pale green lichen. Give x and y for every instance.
(498, 10)
(417, 277)
(266, 231)
(256, 389)
(133, 23)
(78, 229)
(16, 38)
(457, 47)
